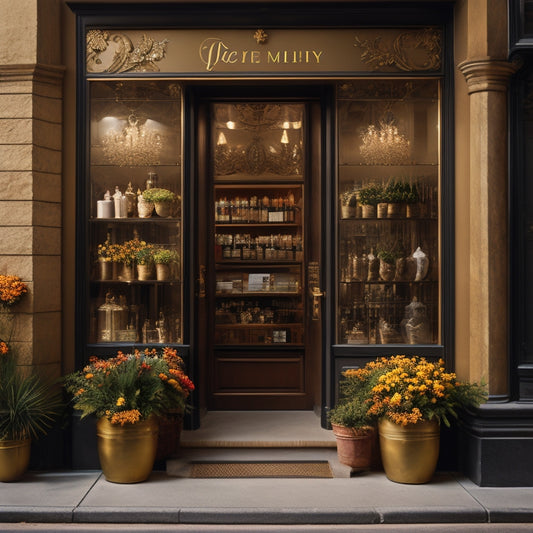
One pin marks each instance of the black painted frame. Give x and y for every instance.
(279, 15)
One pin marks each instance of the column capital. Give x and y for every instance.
(487, 74)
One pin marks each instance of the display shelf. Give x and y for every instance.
(388, 219)
(134, 146)
(258, 197)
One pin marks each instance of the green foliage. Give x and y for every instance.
(388, 256)
(28, 405)
(352, 409)
(158, 195)
(145, 256)
(371, 194)
(349, 198)
(165, 256)
(401, 192)
(129, 388)
(351, 414)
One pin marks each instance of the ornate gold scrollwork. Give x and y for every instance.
(127, 57)
(404, 52)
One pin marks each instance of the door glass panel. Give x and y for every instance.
(258, 213)
(135, 149)
(388, 212)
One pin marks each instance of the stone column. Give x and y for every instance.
(487, 82)
(30, 174)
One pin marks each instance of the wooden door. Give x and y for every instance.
(261, 240)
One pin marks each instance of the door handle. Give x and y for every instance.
(201, 281)
(317, 294)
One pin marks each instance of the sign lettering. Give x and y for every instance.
(215, 52)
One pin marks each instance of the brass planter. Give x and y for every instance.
(14, 458)
(409, 453)
(127, 453)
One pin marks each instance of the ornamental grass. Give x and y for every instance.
(129, 388)
(28, 405)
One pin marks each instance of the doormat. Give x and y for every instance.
(281, 469)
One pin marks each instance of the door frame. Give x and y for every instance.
(318, 97)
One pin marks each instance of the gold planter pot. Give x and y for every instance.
(127, 453)
(14, 458)
(409, 453)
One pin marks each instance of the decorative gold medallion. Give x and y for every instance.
(261, 37)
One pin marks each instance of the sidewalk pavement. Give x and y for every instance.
(85, 497)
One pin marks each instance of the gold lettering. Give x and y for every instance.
(255, 56)
(230, 57)
(317, 55)
(244, 54)
(273, 58)
(211, 51)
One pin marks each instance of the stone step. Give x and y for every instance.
(181, 465)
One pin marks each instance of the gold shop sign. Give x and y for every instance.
(215, 53)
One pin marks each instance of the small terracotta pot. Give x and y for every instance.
(355, 446)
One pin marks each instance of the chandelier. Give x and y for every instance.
(135, 144)
(384, 144)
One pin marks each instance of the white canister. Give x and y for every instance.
(105, 209)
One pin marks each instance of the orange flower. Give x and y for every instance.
(3, 348)
(89, 376)
(12, 288)
(126, 417)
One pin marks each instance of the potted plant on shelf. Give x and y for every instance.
(145, 262)
(348, 204)
(369, 197)
(387, 264)
(412, 199)
(127, 394)
(410, 398)
(163, 259)
(394, 196)
(105, 252)
(28, 405)
(125, 255)
(352, 424)
(163, 200)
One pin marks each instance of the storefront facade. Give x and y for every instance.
(275, 128)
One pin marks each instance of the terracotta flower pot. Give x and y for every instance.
(355, 446)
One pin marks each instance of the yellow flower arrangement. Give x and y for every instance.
(411, 389)
(127, 252)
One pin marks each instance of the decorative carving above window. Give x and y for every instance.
(126, 58)
(410, 51)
